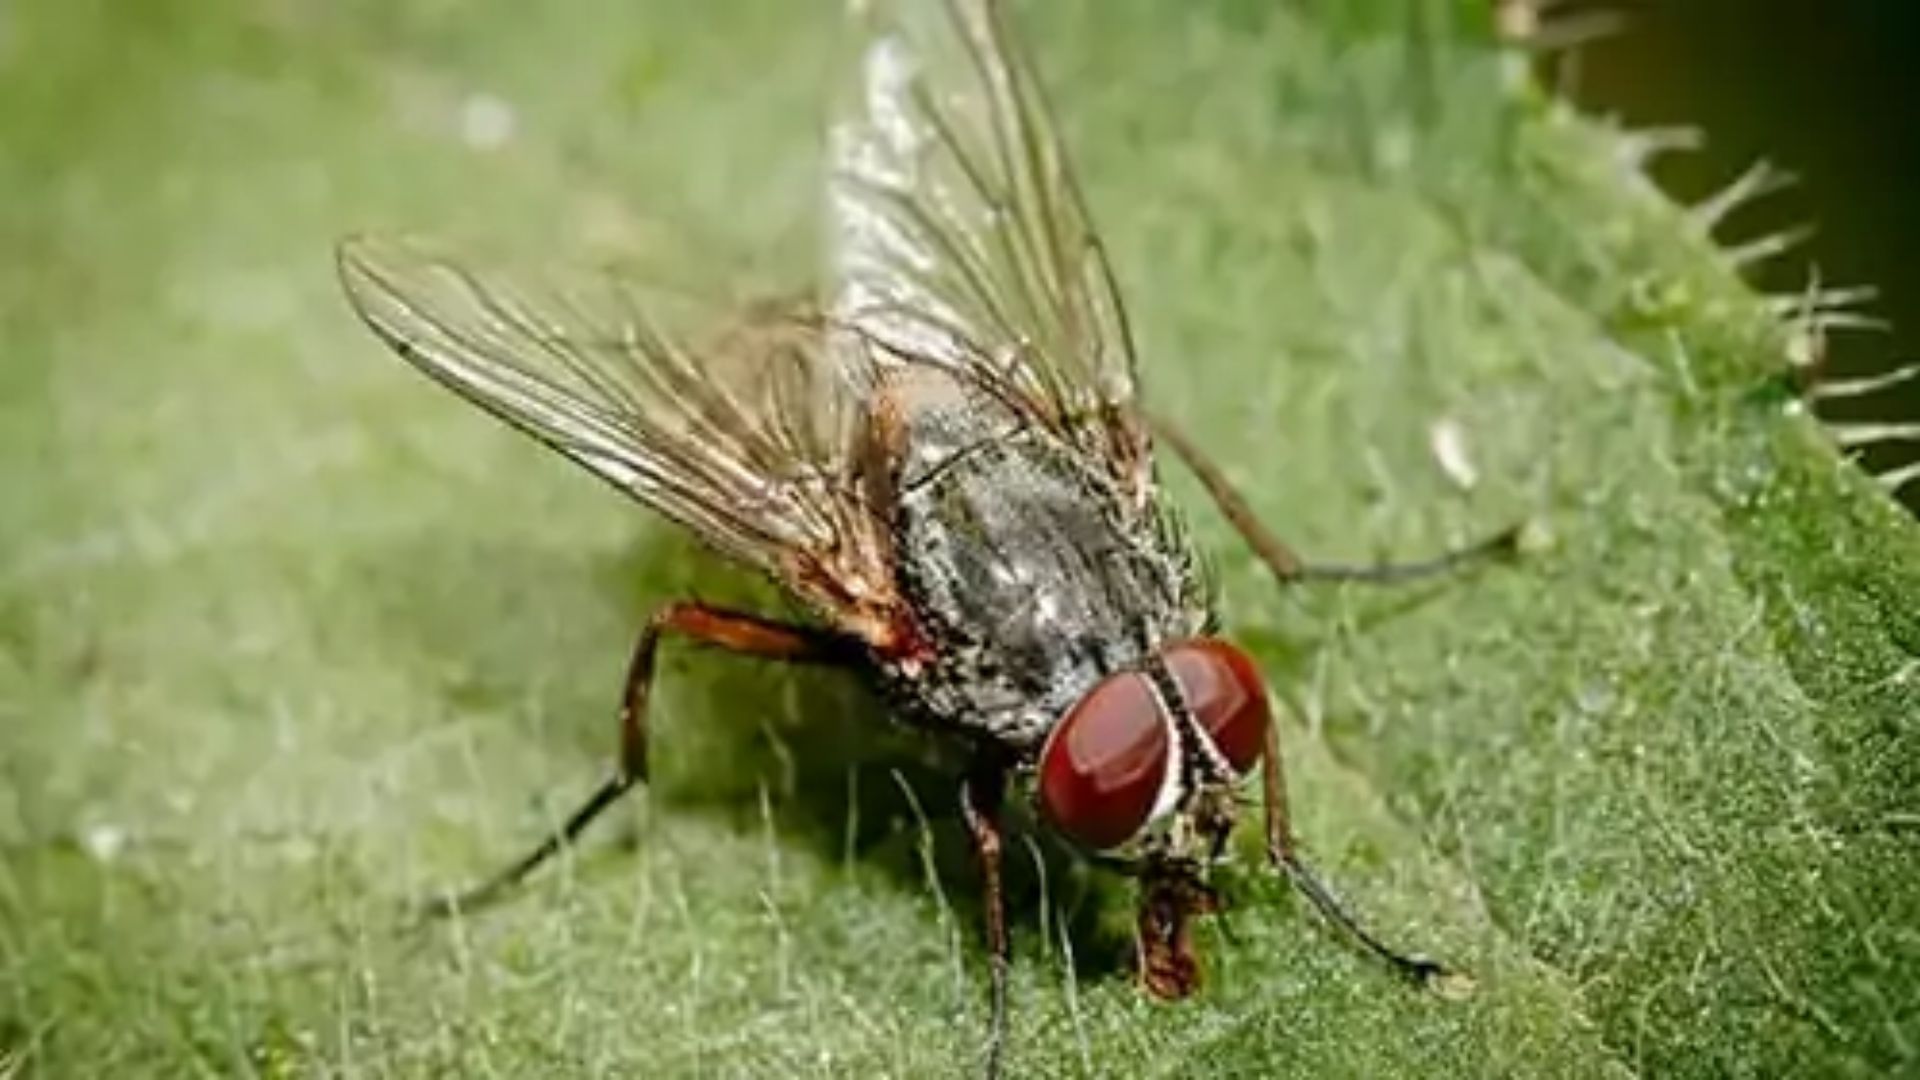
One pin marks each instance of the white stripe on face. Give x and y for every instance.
(1175, 785)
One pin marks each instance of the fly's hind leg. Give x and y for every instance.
(735, 631)
(1282, 560)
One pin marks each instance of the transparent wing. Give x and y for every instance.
(961, 240)
(751, 438)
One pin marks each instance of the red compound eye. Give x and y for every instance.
(1102, 768)
(1227, 696)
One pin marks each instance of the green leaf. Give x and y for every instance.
(287, 636)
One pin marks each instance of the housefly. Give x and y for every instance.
(945, 460)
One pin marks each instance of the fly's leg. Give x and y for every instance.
(980, 798)
(1285, 857)
(1282, 560)
(735, 631)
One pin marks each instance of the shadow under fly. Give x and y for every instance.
(815, 755)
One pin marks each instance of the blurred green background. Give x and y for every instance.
(1828, 91)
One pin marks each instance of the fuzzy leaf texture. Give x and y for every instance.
(288, 635)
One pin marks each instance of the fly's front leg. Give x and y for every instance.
(1285, 856)
(735, 631)
(1289, 567)
(980, 798)
(1282, 560)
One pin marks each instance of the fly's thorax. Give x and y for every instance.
(942, 420)
(1034, 579)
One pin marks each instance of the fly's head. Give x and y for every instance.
(1144, 770)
